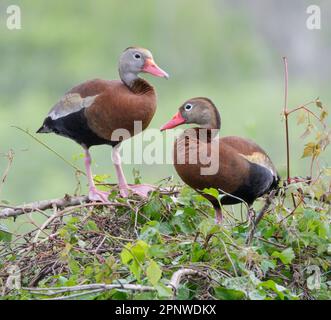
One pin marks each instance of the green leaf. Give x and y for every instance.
(314, 281)
(153, 272)
(91, 226)
(139, 250)
(74, 266)
(158, 251)
(266, 265)
(101, 178)
(281, 291)
(286, 256)
(5, 235)
(153, 209)
(126, 255)
(136, 270)
(208, 227)
(228, 294)
(197, 252)
(212, 192)
(257, 295)
(163, 291)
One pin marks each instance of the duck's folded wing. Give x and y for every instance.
(79, 97)
(251, 152)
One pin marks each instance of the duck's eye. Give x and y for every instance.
(188, 107)
(137, 56)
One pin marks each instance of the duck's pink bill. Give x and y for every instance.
(152, 68)
(176, 120)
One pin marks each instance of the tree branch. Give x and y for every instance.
(100, 287)
(177, 277)
(67, 201)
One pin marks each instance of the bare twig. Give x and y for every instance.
(74, 202)
(58, 290)
(285, 112)
(178, 275)
(10, 156)
(96, 287)
(50, 149)
(42, 205)
(260, 216)
(46, 223)
(229, 257)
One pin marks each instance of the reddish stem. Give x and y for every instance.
(286, 113)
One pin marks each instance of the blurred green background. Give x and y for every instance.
(230, 51)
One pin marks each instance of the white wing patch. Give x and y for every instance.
(70, 103)
(260, 159)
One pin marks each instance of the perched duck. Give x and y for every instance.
(237, 167)
(105, 112)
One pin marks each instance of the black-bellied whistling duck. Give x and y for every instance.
(105, 112)
(237, 167)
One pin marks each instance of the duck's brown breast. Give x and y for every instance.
(244, 170)
(222, 167)
(119, 108)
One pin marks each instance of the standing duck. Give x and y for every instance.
(237, 167)
(107, 112)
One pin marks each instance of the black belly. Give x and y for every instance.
(75, 127)
(259, 182)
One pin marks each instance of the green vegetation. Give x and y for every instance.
(90, 251)
(132, 248)
(145, 242)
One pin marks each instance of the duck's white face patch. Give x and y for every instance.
(70, 103)
(260, 159)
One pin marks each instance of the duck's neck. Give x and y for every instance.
(212, 124)
(212, 129)
(128, 78)
(208, 132)
(201, 133)
(136, 84)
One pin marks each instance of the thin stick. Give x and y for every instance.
(177, 277)
(50, 149)
(42, 205)
(10, 156)
(99, 287)
(260, 216)
(286, 113)
(76, 295)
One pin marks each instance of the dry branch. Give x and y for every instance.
(67, 201)
(177, 277)
(101, 287)
(61, 203)
(10, 156)
(259, 217)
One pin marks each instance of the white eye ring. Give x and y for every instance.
(188, 107)
(137, 56)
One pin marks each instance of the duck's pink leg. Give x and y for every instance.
(218, 215)
(94, 193)
(140, 189)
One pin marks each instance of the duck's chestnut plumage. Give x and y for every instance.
(244, 171)
(92, 112)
